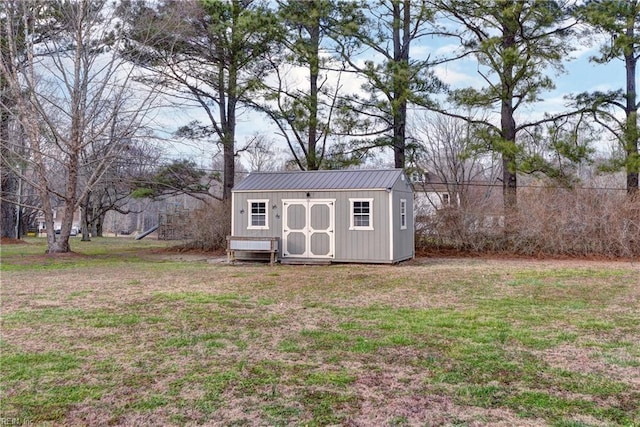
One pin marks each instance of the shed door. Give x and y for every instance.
(308, 228)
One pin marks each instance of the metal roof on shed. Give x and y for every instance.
(351, 179)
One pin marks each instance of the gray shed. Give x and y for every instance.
(332, 216)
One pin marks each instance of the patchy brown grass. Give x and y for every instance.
(10, 241)
(184, 338)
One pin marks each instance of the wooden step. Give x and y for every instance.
(305, 261)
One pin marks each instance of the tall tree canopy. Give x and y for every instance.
(517, 45)
(620, 20)
(302, 94)
(387, 29)
(206, 52)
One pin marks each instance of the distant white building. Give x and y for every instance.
(431, 196)
(57, 222)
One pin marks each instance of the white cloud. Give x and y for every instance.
(421, 52)
(551, 105)
(454, 77)
(589, 46)
(448, 50)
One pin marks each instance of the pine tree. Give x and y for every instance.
(620, 20)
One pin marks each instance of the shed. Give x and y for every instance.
(359, 215)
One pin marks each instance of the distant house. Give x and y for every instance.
(336, 216)
(478, 202)
(431, 195)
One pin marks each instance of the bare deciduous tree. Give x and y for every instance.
(114, 191)
(451, 152)
(72, 93)
(261, 153)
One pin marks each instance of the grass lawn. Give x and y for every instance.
(124, 333)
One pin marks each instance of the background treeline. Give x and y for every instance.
(85, 87)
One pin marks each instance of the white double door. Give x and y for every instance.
(308, 228)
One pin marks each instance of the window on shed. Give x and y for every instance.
(258, 214)
(361, 214)
(403, 214)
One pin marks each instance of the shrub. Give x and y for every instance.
(210, 226)
(549, 221)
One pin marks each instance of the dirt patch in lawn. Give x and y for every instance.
(616, 364)
(10, 241)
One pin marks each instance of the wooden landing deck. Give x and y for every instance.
(305, 261)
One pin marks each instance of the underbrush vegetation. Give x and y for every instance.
(549, 221)
(210, 226)
(147, 339)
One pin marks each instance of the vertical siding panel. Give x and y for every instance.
(235, 230)
(393, 218)
(239, 228)
(404, 245)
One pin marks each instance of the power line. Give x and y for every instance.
(520, 186)
(446, 184)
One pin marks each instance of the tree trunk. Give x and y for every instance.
(508, 132)
(9, 183)
(227, 104)
(227, 120)
(8, 214)
(631, 151)
(400, 66)
(99, 226)
(59, 246)
(632, 160)
(78, 97)
(314, 73)
(509, 184)
(509, 166)
(86, 235)
(401, 36)
(228, 112)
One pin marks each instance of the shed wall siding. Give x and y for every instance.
(403, 239)
(350, 245)
(363, 245)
